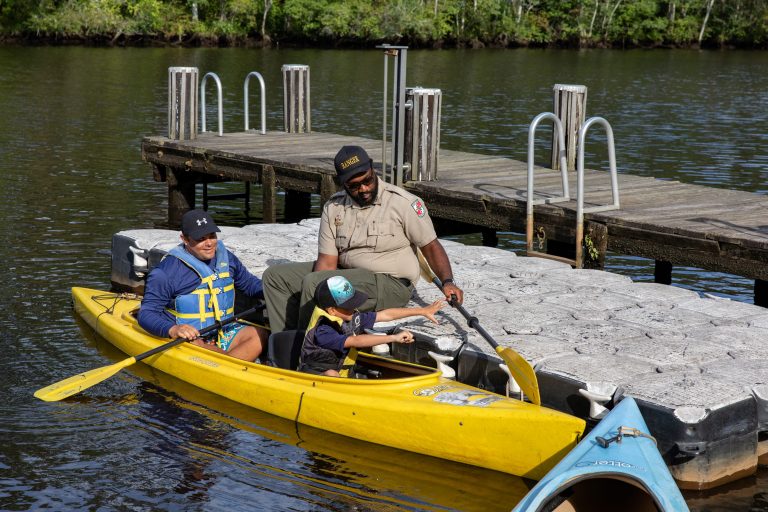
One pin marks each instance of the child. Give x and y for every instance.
(336, 326)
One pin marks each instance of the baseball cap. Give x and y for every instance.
(351, 161)
(338, 292)
(197, 223)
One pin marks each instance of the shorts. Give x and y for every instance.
(226, 335)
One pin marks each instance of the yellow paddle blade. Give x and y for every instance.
(523, 373)
(73, 385)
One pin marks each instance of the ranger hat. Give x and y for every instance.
(351, 161)
(195, 224)
(338, 292)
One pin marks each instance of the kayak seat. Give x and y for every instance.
(284, 349)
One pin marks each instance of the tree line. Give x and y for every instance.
(418, 23)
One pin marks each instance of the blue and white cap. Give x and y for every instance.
(337, 291)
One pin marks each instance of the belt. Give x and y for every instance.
(404, 281)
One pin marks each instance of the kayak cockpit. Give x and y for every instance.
(602, 494)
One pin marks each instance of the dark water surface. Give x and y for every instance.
(71, 121)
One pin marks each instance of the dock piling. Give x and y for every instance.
(296, 104)
(422, 133)
(570, 105)
(182, 103)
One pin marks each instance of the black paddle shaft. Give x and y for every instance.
(472, 321)
(211, 328)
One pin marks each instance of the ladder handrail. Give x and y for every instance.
(580, 182)
(202, 102)
(530, 202)
(563, 162)
(578, 261)
(263, 101)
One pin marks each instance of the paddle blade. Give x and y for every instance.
(73, 385)
(523, 373)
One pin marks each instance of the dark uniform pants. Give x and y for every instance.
(289, 292)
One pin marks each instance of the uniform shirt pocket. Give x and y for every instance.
(383, 236)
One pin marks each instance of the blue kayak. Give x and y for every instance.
(615, 467)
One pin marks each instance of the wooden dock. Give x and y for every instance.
(670, 222)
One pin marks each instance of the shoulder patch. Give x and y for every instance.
(419, 208)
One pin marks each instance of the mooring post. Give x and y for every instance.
(570, 106)
(422, 134)
(296, 105)
(182, 103)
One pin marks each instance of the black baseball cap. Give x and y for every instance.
(195, 224)
(351, 161)
(338, 292)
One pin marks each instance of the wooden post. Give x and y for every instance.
(422, 134)
(296, 105)
(570, 106)
(327, 188)
(181, 195)
(182, 103)
(268, 194)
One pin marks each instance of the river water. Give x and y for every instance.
(71, 122)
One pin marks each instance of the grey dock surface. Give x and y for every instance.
(667, 221)
(697, 366)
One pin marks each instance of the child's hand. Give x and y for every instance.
(403, 337)
(429, 311)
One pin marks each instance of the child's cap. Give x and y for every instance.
(338, 292)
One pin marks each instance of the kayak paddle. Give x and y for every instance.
(521, 370)
(77, 383)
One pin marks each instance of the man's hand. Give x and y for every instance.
(183, 331)
(452, 291)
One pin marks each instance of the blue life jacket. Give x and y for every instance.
(214, 298)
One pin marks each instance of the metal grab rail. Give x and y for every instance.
(202, 102)
(578, 261)
(530, 202)
(580, 210)
(263, 101)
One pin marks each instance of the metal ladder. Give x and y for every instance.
(578, 261)
(246, 195)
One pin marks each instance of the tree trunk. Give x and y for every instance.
(267, 7)
(594, 16)
(710, 3)
(671, 12)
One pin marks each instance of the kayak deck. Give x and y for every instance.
(410, 407)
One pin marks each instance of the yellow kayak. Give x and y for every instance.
(410, 407)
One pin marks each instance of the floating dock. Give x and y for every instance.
(695, 365)
(670, 222)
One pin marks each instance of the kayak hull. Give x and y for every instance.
(419, 411)
(627, 475)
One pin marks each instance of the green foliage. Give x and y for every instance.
(415, 22)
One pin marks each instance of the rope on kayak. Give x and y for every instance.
(115, 298)
(623, 431)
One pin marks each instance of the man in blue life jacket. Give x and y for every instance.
(194, 287)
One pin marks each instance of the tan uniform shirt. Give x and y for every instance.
(381, 237)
